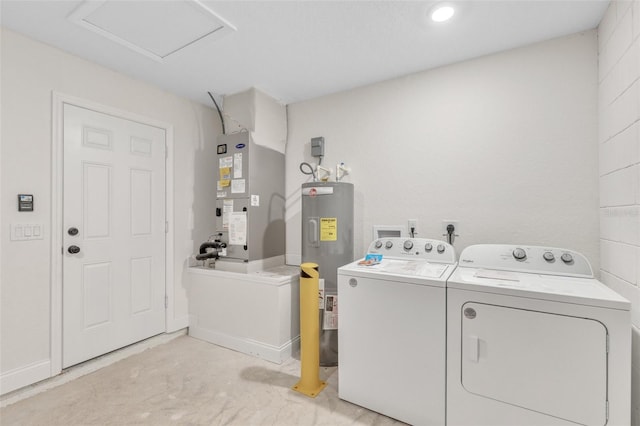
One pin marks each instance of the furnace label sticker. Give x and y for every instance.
(225, 177)
(226, 162)
(238, 186)
(237, 165)
(328, 229)
(238, 228)
(227, 209)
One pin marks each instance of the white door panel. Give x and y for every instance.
(114, 194)
(533, 360)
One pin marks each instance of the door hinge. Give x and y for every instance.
(166, 301)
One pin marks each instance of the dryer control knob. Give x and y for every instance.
(428, 247)
(389, 244)
(519, 254)
(378, 244)
(548, 256)
(440, 248)
(566, 258)
(408, 245)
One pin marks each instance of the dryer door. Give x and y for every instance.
(549, 363)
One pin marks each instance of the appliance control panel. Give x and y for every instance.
(414, 248)
(531, 259)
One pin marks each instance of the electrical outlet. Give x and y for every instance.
(456, 231)
(413, 224)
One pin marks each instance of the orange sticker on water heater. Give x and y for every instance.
(328, 229)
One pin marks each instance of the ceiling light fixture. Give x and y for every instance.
(442, 13)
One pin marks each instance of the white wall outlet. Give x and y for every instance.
(413, 227)
(456, 225)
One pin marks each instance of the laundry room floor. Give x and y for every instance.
(188, 381)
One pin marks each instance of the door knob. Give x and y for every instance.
(73, 249)
(73, 231)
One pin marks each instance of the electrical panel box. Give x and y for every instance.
(317, 147)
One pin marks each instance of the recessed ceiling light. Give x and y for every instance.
(442, 13)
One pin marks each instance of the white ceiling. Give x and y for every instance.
(298, 50)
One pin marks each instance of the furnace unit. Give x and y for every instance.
(250, 201)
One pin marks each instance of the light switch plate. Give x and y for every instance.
(27, 231)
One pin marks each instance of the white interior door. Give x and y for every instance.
(114, 196)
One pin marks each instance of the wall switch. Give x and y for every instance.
(26, 231)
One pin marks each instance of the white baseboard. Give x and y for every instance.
(24, 376)
(23, 380)
(275, 354)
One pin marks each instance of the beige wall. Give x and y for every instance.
(506, 144)
(30, 72)
(619, 137)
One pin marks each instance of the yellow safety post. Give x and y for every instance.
(310, 383)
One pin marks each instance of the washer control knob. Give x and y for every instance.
(548, 256)
(378, 244)
(408, 245)
(566, 258)
(428, 247)
(519, 254)
(389, 244)
(440, 248)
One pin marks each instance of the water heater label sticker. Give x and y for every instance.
(255, 200)
(321, 293)
(237, 165)
(330, 320)
(328, 229)
(226, 162)
(238, 228)
(237, 186)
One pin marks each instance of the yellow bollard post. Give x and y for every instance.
(310, 383)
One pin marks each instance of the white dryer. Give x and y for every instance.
(534, 339)
(392, 335)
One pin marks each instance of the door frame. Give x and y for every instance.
(57, 180)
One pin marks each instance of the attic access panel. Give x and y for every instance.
(155, 29)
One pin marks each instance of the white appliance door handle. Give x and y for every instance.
(472, 348)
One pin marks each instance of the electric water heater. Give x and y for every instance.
(327, 239)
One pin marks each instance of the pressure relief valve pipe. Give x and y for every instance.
(310, 383)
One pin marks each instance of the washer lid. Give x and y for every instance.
(406, 271)
(582, 291)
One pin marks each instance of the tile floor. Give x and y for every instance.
(190, 382)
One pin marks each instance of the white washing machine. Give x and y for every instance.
(392, 337)
(534, 339)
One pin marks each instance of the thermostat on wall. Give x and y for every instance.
(25, 202)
